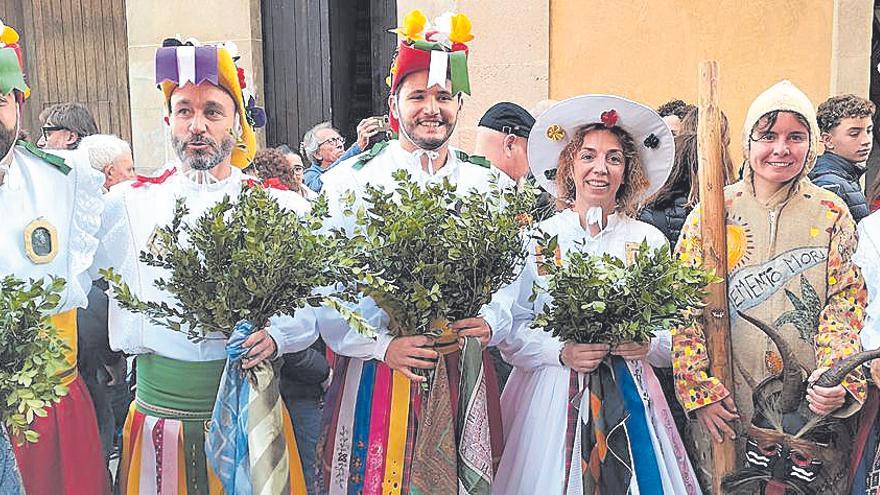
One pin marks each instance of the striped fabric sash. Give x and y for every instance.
(647, 470)
(397, 429)
(267, 448)
(571, 420)
(361, 433)
(378, 439)
(246, 444)
(663, 415)
(473, 436)
(417, 401)
(339, 467)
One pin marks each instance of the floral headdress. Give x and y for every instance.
(178, 63)
(439, 48)
(12, 65)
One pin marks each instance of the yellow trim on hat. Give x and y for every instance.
(227, 76)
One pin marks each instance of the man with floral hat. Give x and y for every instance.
(212, 122)
(52, 211)
(427, 80)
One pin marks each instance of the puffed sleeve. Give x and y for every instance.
(841, 319)
(690, 359)
(345, 341)
(524, 346)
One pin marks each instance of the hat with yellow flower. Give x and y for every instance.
(439, 48)
(11, 65)
(179, 63)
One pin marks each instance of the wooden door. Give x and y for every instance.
(74, 51)
(296, 67)
(361, 52)
(324, 60)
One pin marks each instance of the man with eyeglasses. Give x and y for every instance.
(324, 148)
(64, 125)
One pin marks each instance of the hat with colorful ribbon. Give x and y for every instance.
(11, 65)
(439, 48)
(179, 63)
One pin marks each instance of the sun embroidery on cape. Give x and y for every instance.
(740, 243)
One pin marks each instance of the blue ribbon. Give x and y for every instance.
(361, 436)
(226, 444)
(647, 471)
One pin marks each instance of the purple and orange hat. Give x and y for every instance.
(179, 63)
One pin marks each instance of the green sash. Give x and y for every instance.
(185, 391)
(168, 388)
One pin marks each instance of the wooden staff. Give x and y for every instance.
(716, 320)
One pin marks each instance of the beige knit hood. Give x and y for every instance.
(782, 96)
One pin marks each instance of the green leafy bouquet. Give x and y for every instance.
(31, 353)
(602, 299)
(440, 254)
(248, 259)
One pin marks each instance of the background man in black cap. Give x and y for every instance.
(502, 137)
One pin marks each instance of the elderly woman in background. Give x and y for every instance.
(111, 156)
(599, 156)
(296, 173)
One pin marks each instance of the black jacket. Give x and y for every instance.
(841, 176)
(304, 372)
(668, 217)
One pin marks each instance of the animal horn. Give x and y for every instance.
(792, 377)
(835, 375)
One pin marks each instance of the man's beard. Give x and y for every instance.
(7, 139)
(205, 160)
(431, 143)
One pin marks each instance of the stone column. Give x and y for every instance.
(851, 47)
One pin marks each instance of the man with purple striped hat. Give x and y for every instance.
(169, 427)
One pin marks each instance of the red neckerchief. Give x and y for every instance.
(142, 180)
(275, 183)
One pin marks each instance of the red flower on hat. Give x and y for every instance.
(241, 78)
(609, 118)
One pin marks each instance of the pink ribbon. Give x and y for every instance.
(377, 446)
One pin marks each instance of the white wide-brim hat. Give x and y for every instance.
(555, 128)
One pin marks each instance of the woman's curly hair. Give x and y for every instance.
(269, 163)
(635, 182)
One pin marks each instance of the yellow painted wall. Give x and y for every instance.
(650, 50)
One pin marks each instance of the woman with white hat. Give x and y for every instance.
(600, 156)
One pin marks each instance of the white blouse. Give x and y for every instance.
(532, 348)
(867, 257)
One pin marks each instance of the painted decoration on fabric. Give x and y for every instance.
(41, 241)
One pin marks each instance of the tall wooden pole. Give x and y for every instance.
(716, 320)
